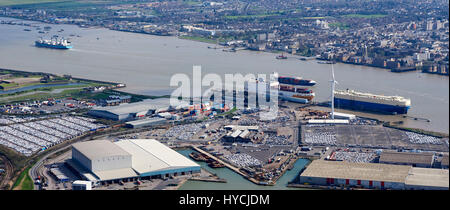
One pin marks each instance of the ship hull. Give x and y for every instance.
(52, 46)
(287, 94)
(298, 82)
(292, 97)
(368, 106)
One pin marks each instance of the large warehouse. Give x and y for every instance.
(424, 160)
(145, 122)
(373, 175)
(131, 110)
(105, 162)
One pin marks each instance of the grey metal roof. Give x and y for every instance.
(406, 157)
(428, 177)
(150, 104)
(445, 160)
(149, 155)
(148, 120)
(99, 149)
(357, 171)
(116, 174)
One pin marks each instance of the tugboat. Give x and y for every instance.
(282, 56)
(215, 164)
(197, 156)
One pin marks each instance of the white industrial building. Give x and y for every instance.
(103, 161)
(146, 122)
(327, 121)
(345, 116)
(131, 110)
(81, 185)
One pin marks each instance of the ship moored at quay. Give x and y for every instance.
(370, 102)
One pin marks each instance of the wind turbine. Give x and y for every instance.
(333, 84)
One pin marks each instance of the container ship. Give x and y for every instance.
(55, 44)
(288, 89)
(369, 102)
(296, 81)
(295, 94)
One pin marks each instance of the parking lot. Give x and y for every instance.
(369, 136)
(30, 135)
(353, 156)
(45, 107)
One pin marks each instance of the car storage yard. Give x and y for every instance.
(369, 136)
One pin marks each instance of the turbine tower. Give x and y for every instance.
(333, 84)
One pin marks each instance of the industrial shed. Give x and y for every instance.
(126, 160)
(153, 159)
(131, 110)
(368, 175)
(103, 159)
(374, 175)
(427, 179)
(444, 162)
(424, 160)
(145, 122)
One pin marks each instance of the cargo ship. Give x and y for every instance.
(53, 43)
(289, 88)
(295, 94)
(351, 99)
(296, 81)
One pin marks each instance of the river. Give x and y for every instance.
(146, 63)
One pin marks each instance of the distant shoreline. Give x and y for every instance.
(210, 41)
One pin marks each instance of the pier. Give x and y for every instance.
(228, 166)
(208, 179)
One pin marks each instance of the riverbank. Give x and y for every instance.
(388, 120)
(148, 63)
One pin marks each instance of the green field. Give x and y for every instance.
(339, 25)
(234, 17)
(199, 38)
(44, 93)
(365, 16)
(88, 6)
(191, 2)
(314, 18)
(23, 2)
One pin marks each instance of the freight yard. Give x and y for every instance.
(260, 151)
(221, 136)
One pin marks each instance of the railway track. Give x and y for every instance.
(9, 170)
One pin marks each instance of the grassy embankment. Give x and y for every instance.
(18, 162)
(24, 182)
(199, 39)
(44, 93)
(25, 2)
